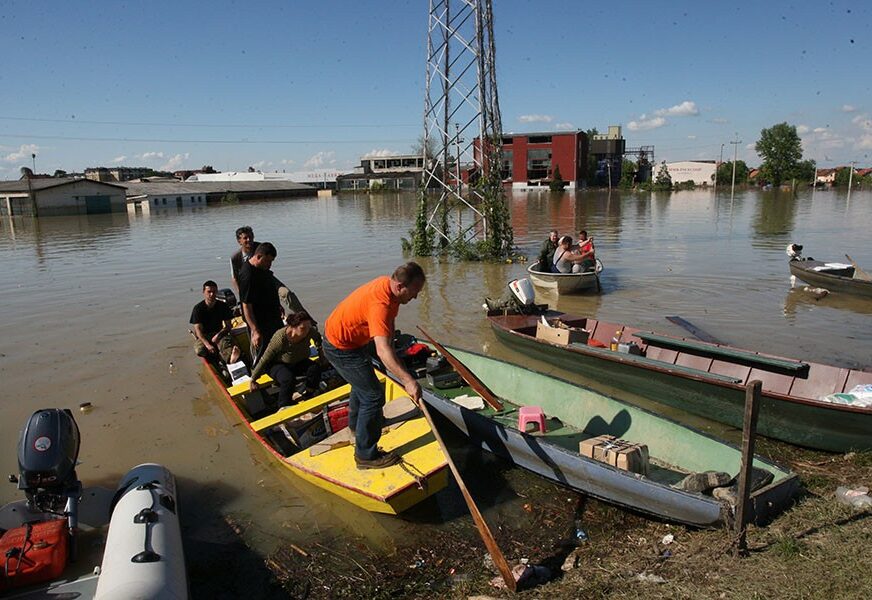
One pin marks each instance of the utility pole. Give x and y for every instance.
(850, 180)
(735, 156)
(33, 157)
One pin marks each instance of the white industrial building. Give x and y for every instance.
(50, 196)
(700, 172)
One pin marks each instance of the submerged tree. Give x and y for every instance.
(557, 184)
(725, 172)
(781, 150)
(663, 181)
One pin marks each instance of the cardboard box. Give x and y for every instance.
(616, 452)
(559, 335)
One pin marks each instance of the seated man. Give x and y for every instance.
(546, 252)
(287, 357)
(565, 260)
(586, 250)
(211, 319)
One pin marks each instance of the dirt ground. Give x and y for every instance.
(817, 549)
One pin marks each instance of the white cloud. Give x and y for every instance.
(320, 160)
(287, 161)
(820, 129)
(685, 109)
(645, 123)
(719, 121)
(865, 142)
(863, 122)
(175, 162)
(119, 159)
(24, 151)
(151, 155)
(848, 108)
(377, 152)
(801, 129)
(565, 126)
(535, 118)
(261, 164)
(750, 146)
(691, 137)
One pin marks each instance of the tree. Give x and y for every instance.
(557, 184)
(725, 172)
(843, 175)
(60, 173)
(418, 147)
(781, 150)
(663, 181)
(628, 174)
(806, 170)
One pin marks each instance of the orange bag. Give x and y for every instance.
(33, 553)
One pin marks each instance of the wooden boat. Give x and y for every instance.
(575, 413)
(708, 379)
(329, 463)
(833, 276)
(565, 283)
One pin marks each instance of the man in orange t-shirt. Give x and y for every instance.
(368, 314)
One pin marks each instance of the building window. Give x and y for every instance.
(155, 201)
(507, 141)
(506, 171)
(539, 139)
(538, 164)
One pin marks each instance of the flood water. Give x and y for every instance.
(95, 308)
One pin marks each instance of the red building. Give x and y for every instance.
(531, 159)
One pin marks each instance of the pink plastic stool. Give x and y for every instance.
(531, 414)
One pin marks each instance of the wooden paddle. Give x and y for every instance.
(483, 530)
(858, 272)
(473, 381)
(698, 333)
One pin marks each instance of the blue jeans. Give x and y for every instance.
(367, 397)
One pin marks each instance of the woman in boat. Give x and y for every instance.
(287, 357)
(565, 260)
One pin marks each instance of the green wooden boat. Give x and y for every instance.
(707, 379)
(575, 413)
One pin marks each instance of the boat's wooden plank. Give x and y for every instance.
(647, 360)
(605, 331)
(857, 378)
(245, 386)
(751, 358)
(664, 355)
(702, 363)
(775, 383)
(822, 381)
(730, 369)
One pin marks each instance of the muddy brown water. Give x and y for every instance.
(95, 308)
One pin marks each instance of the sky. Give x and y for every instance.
(310, 87)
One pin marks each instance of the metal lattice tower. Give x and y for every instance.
(460, 106)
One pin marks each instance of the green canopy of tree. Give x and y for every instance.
(725, 173)
(557, 184)
(806, 170)
(628, 174)
(781, 150)
(663, 181)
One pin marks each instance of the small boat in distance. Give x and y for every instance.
(833, 276)
(573, 449)
(565, 283)
(703, 378)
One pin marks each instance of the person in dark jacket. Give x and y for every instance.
(546, 253)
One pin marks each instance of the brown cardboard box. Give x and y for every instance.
(558, 335)
(616, 452)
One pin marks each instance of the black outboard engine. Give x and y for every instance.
(47, 454)
(227, 296)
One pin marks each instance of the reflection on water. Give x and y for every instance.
(96, 309)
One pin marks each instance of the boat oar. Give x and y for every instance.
(473, 381)
(858, 272)
(483, 530)
(695, 331)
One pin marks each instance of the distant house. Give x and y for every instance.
(60, 196)
(863, 172)
(826, 176)
(394, 172)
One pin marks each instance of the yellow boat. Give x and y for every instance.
(329, 463)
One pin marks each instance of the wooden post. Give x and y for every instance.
(749, 437)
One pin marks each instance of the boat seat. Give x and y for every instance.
(752, 359)
(644, 360)
(531, 414)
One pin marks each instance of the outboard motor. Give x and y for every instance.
(518, 298)
(227, 296)
(47, 453)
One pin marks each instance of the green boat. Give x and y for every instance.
(704, 378)
(575, 414)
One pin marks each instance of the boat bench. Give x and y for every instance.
(743, 357)
(644, 360)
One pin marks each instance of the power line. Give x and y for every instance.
(177, 141)
(75, 121)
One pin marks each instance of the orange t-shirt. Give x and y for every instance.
(367, 312)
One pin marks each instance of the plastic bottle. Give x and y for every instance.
(614, 345)
(858, 498)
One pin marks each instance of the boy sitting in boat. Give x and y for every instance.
(586, 250)
(287, 357)
(211, 319)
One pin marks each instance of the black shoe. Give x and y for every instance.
(381, 460)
